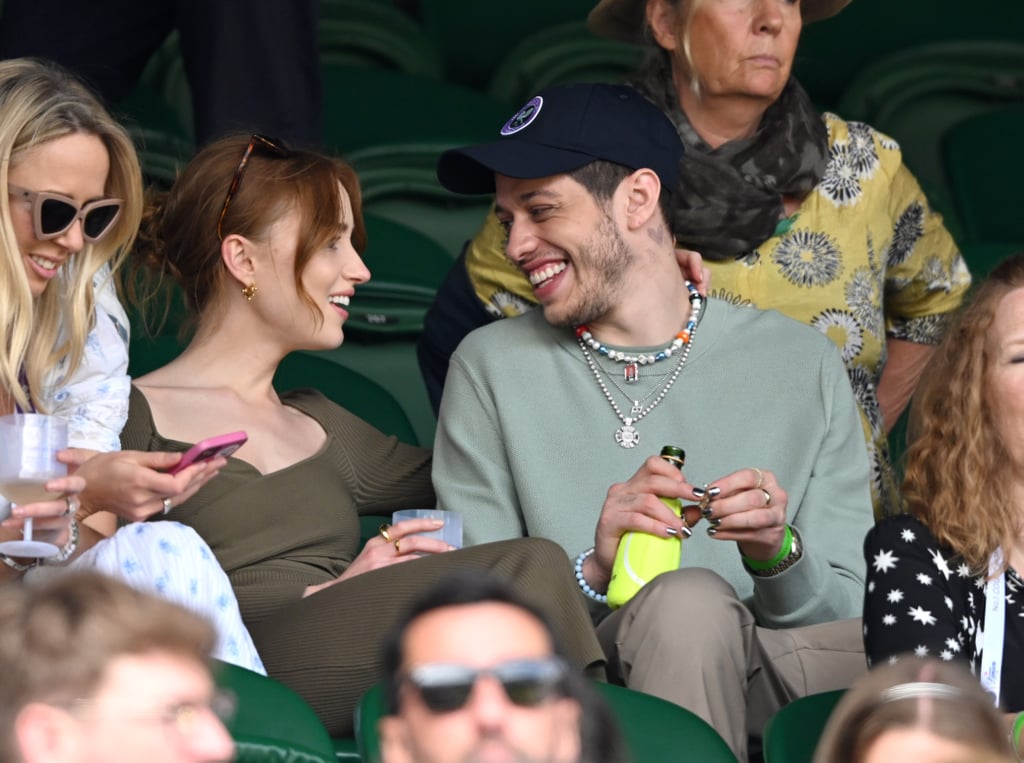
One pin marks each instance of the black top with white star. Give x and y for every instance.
(922, 599)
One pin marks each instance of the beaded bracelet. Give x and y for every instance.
(17, 566)
(68, 549)
(582, 581)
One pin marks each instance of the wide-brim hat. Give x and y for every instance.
(625, 19)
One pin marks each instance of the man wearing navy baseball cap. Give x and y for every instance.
(550, 425)
(579, 125)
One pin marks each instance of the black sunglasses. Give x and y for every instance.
(53, 214)
(527, 683)
(272, 146)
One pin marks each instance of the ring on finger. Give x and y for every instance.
(760, 477)
(398, 549)
(385, 532)
(767, 497)
(72, 508)
(167, 505)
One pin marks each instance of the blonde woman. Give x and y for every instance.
(72, 208)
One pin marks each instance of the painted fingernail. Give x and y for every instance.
(714, 522)
(706, 512)
(671, 531)
(712, 531)
(699, 492)
(686, 531)
(714, 491)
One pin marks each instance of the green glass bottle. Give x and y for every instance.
(641, 556)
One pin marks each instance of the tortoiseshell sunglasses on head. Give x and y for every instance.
(272, 146)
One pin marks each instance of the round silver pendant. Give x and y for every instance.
(627, 436)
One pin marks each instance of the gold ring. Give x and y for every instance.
(385, 532)
(398, 549)
(760, 477)
(767, 497)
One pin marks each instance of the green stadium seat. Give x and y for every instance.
(375, 34)
(348, 388)
(836, 51)
(406, 267)
(379, 107)
(474, 37)
(791, 735)
(273, 724)
(984, 157)
(559, 54)
(399, 182)
(917, 95)
(163, 142)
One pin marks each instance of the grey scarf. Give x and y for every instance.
(729, 199)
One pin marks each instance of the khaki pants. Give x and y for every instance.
(686, 637)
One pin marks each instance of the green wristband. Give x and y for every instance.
(787, 547)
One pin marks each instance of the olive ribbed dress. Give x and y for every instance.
(275, 534)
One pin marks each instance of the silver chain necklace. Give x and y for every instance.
(637, 403)
(627, 435)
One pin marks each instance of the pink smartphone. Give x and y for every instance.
(211, 447)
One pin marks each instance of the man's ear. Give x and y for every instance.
(662, 18)
(642, 189)
(395, 742)
(237, 254)
(46, 734)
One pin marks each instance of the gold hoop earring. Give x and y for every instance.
(249, 292)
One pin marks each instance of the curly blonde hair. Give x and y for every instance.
(41, 102)
(959, 473)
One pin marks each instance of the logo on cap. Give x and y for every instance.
(524, 116)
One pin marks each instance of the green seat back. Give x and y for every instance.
(377, 107)
(833, 53)
(658, 731)
(391, 362)
(984, 157)
(561, 54)
(273, 723)
(474, 37)
(375, 34)
(407, 267)
(349, 389)
(917, 95)
(791, 735)
(162, 141)
(655, 730)
(399, 182)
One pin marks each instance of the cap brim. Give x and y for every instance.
(472, 169)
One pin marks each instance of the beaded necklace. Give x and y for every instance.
(631, 372)
(627, 435)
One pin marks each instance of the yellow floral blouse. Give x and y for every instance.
(864, 257)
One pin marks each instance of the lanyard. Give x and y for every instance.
(994, 624)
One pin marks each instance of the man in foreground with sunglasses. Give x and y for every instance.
(94, 670)
(473, 675)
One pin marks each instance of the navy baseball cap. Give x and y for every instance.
(564, 127)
